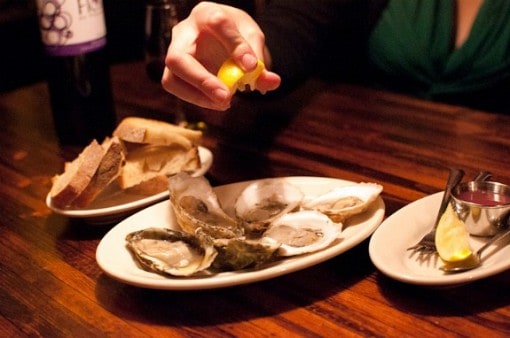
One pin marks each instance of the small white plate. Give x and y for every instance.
(405, 228)
(122, 204)
(116, 261)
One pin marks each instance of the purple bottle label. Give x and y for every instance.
(81, 48)
(71, 27)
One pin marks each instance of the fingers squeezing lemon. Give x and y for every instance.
(452, 238)
(235, 78)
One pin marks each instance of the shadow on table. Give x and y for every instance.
(238, 303)
(462, 300)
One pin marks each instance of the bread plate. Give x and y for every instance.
(119, 204)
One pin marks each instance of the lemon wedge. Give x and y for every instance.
(235, 78)
(452, 238)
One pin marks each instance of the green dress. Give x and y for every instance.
(412, 49)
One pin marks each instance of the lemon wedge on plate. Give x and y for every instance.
(452, 238)
(235, 78)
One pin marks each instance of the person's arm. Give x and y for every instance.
(211, 34)
(293, 38)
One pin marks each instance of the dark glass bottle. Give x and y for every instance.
(78, 74)
(160, 17)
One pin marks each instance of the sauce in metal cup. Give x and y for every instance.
(483, 206)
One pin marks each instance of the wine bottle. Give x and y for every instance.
(73, 33)
(160, 17)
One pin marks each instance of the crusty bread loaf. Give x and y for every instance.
(77, 175)
(147, 162)
(108, 170)
(138, 158)
(154, 132)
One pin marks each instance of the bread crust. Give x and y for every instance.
(77, 176)
(109, 169)
(147, 131)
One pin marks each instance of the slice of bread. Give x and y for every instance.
(154, 132)
(76, 176)
(108, 170)
(146, 162)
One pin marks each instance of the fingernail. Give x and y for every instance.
(249, 61)
(220, 95)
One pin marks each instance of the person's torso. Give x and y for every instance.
(414, 47)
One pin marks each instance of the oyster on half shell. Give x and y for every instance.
(171, 252)
(303, 232)
(263, 201)
(343, 202)
(196, 206)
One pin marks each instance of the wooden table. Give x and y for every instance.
(51, 285)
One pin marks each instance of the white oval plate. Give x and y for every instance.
(123, 204)
(405, 228)
(116, 261)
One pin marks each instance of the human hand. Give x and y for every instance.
(211, 34)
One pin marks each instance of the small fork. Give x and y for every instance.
(427, 245)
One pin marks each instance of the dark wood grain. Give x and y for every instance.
(51, 285)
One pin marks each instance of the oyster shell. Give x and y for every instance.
(344, 202)
(171, 252)
(263, 201)
(196, 206)
(302, 232)
(237, 254)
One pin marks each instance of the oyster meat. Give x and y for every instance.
(263, 201)
(196, 206)
(171, 252)
(237, 254)
(343, 202)
(302, 232)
